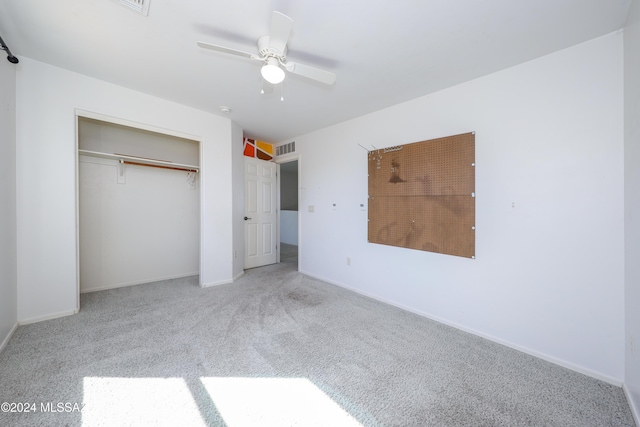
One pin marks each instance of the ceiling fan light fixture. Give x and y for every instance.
(272, 51)
(271, 72)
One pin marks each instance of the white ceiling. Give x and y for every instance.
(383, 52)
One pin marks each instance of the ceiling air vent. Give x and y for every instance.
(283, 149)
(140, 6)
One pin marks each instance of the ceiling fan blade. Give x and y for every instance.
(281, 26)
(227, 50)
(312, 73)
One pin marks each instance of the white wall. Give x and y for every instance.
(548, 274)
(101, 136)
(289, 227)
(8, 282)
(142, 231)
(632, 205)
(46, 179)
(289, 186)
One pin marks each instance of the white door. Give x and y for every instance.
(260, 214)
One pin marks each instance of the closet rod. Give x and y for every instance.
(10, 56)
(176, 168)
(141, 161)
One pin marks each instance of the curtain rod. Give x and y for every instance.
(10, 56)
(177, 168)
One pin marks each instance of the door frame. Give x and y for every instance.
(80, 114)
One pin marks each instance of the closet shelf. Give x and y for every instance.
(140, 161)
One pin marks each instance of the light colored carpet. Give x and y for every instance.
(288, 253)
(280, 348)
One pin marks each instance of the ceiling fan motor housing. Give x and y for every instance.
(265, 51)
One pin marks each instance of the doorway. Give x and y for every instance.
(289, 218)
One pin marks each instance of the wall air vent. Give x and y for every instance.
(283, 149)
(140, 6)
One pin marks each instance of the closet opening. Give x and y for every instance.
(138, 202)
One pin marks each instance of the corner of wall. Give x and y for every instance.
(237, 178)
(6, 340)
(632, 207)
(8, 215)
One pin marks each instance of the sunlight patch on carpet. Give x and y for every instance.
(274, 402)
(139, 401)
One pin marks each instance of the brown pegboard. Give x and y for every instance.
(422, 195)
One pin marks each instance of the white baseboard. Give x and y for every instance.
(136, 282)
(6, 339)
(635, 410)
(47, 317)
(221, 282)
(577, 368)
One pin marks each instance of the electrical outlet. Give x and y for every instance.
(631, 345)
(348, 260)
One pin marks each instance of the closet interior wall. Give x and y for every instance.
(137, 224)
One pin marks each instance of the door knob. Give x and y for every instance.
(246, 218)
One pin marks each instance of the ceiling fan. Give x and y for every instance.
(272, 52)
